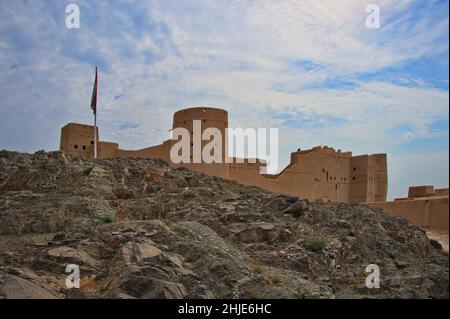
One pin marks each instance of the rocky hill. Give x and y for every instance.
(139, 229)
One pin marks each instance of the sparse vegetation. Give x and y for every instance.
(109, 218)
(316, 244)
(258, 269)
(252, 293)
(276, 279)
(268, 272)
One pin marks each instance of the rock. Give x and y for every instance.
(123, 193)
(344, 223)
(145, 251)
(299, 208)
(258, 232)
(401, 264)
(435, 244)
(12, 287)
(280, 202)
(150, 288)
(230, 197)
(76, 256)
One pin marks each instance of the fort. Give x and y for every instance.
(320, 173)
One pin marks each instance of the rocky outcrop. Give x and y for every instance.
(139, 229)
(13, 287)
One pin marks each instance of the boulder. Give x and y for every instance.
(259, 232)
(298, 208)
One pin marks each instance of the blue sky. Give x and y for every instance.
(311, 68)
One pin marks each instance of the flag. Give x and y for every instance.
(94, 94)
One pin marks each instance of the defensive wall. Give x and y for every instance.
(425, 207)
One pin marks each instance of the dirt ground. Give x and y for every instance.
(439, 235)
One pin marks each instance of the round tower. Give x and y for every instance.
(209, 117)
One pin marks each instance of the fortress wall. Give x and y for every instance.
(215, 169)
(439, 213)
(424, 212)
(359, 166)
(380, 182)
(64, 140)
(441, 192)
(294, 182)
(289, 182)
(317, 174)
(420, 191)
(246, 174)
(107, 149)
(330, 173)
(158, 151)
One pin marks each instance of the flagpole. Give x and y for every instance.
(95, 135)
(94, 108)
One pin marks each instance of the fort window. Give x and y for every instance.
(75, 146)
(354, 178)
(354, 168)
(323, 169)
(84, 147)
(92, 142)
(336, 186)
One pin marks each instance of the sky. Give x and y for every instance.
(312, 69)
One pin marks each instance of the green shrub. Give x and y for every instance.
(109, 218)
(315, 243)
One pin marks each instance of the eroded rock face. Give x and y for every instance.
(139, 229)
(13, 287)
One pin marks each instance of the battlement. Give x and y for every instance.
(326, 150)
(184, 118)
